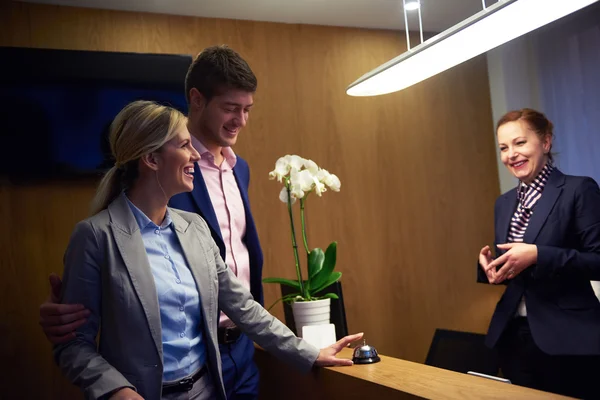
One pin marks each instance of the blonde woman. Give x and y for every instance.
(153, 279)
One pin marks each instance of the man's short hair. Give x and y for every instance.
(217, 69)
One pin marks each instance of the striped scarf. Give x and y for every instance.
(527, 196)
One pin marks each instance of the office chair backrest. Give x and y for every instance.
(462, 352)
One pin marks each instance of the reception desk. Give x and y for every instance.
(391, 378)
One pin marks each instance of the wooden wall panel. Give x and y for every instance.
(417, 167)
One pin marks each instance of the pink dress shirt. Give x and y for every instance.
(229, 208)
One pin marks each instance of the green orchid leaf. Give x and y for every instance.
(328, 296)
(334, 277)
(283, 281)
(327, 269)
(290, 297)
(286, 299)
(315, 262)
(330, 257)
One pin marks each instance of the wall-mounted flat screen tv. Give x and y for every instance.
(56, 106)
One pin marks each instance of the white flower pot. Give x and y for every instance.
(311, 313)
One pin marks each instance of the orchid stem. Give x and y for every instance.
(294, 245)
(302, 202)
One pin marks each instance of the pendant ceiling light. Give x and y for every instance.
(493, 26)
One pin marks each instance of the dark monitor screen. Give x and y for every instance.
(57, 126)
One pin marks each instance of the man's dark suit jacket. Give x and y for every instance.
(198, 201)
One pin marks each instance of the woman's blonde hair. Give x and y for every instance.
(142, 127)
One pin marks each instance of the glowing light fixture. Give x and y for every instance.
(412, 5)
(493, 26)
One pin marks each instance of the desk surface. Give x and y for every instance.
(419, 380)
(431, 382)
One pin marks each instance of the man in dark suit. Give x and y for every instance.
(219, 89)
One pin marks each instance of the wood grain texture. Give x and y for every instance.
(391, 378)
(417, 168)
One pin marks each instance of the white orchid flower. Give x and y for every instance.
(333, 182)
(322, 175)
(295, 162)
(282, 168)
(311, 166)
(319, 187)
(283, 196)
(296, 191)
(302, 180)
(302, 176)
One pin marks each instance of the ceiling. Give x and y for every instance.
(437, 15)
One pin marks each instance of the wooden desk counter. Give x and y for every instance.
(391, 378)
